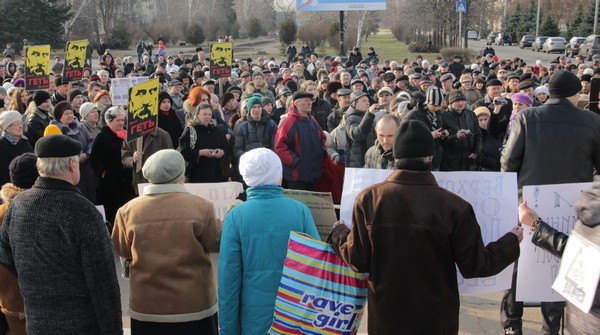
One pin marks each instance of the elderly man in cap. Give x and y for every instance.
(466, 86)
(500, 108)
(463, 144)
(343, 103)
(175, 87)
(174, 292)
(573, 134)
(57, 244)
(280, 107)
(249, 276)
(431, 219)
(300, 143)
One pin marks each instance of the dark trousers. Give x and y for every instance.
(208, 326)
(511, 311)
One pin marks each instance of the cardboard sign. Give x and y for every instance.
(321, 208)
(142, 116)
(538, 269)
(223, 196)
(37, 67)
(74, 60)
(221, 57)
(493, 196)
(119, 89)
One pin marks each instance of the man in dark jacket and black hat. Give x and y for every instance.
(430, 218)
(555, 143)
(40, 118)
(360, 132)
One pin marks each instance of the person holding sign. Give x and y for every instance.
(553, 241)
(411, 251)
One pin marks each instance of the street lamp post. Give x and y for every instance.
(537, 20)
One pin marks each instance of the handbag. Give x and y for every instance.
(318, 293)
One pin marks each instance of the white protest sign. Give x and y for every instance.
(493, 196)
(555, 204)
(577, 278)
(119, 89)
(221, 195)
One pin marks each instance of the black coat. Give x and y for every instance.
(456, 152)
(490, 152)
(321, 110)
(36, 124)
(170, 123)
(114, 180)
(203, 169)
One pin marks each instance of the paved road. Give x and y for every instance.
(514, 51)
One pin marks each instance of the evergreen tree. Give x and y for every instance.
(37, 21)
(287, 30)
(527, 22)
(574, 27)
(549, 27)
(513, 20)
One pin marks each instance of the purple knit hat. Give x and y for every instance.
(522, 98)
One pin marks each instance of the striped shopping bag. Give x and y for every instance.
(318, 293)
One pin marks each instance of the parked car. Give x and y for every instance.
(526, 41)
(504, 38)
(492, 37)
(554, 44)
(537, 44)
(472, 35)
(572, 48)
(590, 46)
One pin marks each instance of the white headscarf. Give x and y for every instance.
(260, 166)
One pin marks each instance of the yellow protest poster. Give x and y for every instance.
(74, 60)
(143, 109)
(37, 67)
(221, 57)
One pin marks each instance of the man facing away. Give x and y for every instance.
(411, 251)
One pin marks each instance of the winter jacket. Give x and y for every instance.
(300, 143)
(9, 150)
(335, 118)
(498, 122)
(455, 155)
(253, 134)
(360, 136)
(253, 249)
(472, 95)
(489, 160)
(171, 278)
(62, 255)
(321, 110)
(437, 232)
(36, 123)
(553, 144)
(265, 90)
(169, 122)
(377, 158)
(202, 169)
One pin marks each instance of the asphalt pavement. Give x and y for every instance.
(513, 51)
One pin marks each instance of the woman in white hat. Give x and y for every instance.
(12, 142)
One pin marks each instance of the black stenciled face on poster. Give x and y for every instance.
(143, 109)
(221, 55)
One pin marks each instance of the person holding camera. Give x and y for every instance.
(500, 108)
(463, 144)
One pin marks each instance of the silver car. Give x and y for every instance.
(554, 44)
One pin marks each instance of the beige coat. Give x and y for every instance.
(168, 234)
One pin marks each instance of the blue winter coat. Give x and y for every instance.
(253, 248)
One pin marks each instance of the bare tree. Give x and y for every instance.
(77, 8)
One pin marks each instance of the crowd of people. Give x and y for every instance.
(298, 123)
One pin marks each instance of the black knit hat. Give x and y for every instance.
(57, 146)
(60, 108)
(165, 95)
(564, 84)
(40, 97)
(413, 139)
(23, 171)
(72, 94)
(456, 95)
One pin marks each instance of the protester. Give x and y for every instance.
(258, 131)
(114, 180)
(55, 241)
(167, 117)
(12, 142)
(68, 124)
(23, 174)
(546, 155)
(379, 156)
(254, 245)
(360, 132)
(40, 117)
(437, 231)
(300, 143)
(204, 146)
(89, 118)
(171, 292)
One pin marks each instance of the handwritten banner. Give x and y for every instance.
(493, 196)
(555, 204)
(221, 57)
(37, 67)
(321, 208)
(223, 196)
(119, 88)
(74, 60)
(142, 116)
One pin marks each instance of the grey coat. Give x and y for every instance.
(57, 244)
(360, 136)
(377, 158)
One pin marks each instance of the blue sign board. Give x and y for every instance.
(339, 5)
(461, 6)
